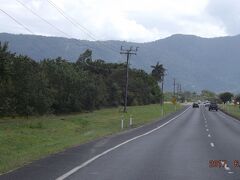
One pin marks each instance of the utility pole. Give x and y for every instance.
(181, 94)
(162, 97)
(174, 86)
(128, 52)
(162, 91)
(178, 89)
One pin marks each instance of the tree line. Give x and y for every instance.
(28, 87)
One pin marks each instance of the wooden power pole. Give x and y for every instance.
(174, 86)
(128, 52)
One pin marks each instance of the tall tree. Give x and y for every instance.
(85, 57)
(225, 97)
(158, 72)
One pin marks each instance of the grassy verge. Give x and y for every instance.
(233, 110)
(23, 140)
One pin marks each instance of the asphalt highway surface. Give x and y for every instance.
(194, 144)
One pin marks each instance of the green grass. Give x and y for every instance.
(234, 110)
(24, 140)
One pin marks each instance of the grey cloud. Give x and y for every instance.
(154, 20)
(143, 25)
(226, 11)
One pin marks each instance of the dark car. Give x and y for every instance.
(213, 106)
(195, 105)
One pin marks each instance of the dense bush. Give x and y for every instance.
(58, 86)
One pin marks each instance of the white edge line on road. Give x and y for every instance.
(209, 135)
(212, 144)
(115, 147)
(225, 116)
(222, 115)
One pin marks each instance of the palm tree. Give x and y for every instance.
(158, 73)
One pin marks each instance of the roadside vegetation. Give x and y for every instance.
(26, 139)
(229, 103)
(52, 104)
(231, 109)
(57, 86)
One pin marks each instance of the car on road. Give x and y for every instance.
(195, 105)
(207, 104)
(213, 106)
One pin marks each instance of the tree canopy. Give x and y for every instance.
(158, 72)
(225, 97)
(29, 87)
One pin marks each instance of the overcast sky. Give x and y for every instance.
(130, 20)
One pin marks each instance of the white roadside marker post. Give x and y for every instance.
(162, 111)
(122, 122)
(131, 121)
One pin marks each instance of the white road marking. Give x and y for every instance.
(212, 144)
(207, 129)
(221, 115)
(206, 125)
(225, 116)
(209, 135)
(115, 147)
(204, 117)
(230, 172)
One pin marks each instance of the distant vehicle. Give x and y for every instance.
(213, 106)
(207, 104)
(195, 105)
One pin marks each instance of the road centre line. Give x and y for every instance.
(212, 144)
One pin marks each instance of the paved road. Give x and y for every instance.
(179, 149)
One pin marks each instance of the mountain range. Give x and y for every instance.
(197, 63)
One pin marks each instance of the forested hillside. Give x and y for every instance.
(57, 85)
(197, 63)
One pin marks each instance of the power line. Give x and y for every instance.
(53, 26)
(50, 24)
(77, 25)
(42, 18)
(16, 21)
(31, 32)
(70, 19)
